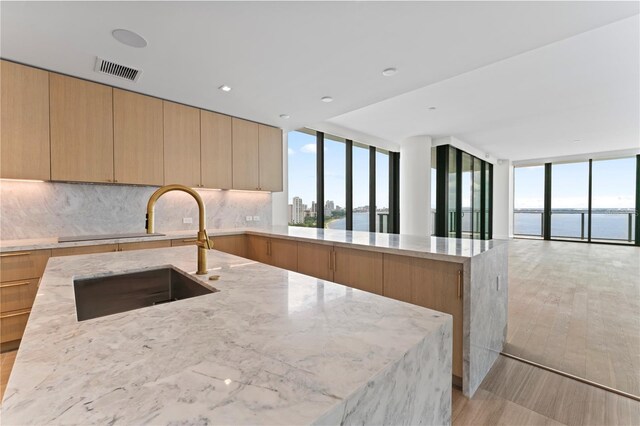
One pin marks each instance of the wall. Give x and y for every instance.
(46, 209)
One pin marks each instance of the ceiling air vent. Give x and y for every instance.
(121, 71)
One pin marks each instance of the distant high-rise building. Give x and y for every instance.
(297, 213)
(329, 207)
(290, 214)
(313, 207)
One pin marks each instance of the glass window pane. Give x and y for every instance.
(467, 193)
(453, 207)
(477, 200)
(382, 191)
(434, 170)
(360, 187)
(487, 199)
(614, 200)
(302, 179)
(528, 201)
(334, 182)
(569, 200)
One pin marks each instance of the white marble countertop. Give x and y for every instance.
(449, 249)
(271, 347)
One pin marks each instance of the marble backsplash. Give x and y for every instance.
(48, 209)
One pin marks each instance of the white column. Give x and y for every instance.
(280, 200)
(415, 186)
(503, 199)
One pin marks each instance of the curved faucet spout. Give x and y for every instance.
(203, 242)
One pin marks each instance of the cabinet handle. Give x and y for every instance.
(15, 284)
(16, 314)
(335, 261)
(331, 260)
(459, 284)
(193, 240)
(23, 253)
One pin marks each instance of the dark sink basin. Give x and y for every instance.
(97, 297)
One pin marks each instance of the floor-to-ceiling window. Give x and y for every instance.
(360, 187)
(593, 200)
(352, 175)
(613, 200)
(569, 200)
(528, 201)
(302, 178)
(382, 191)
(463, 194)
(335, 182)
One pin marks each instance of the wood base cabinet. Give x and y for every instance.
(359, 269)
(273, 251)
(433, 284)
(316, 260)
(19, 280)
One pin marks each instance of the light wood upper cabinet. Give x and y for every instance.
(137, 138)
(359, 269)
(270, 147)
(81, 130)
(216, 150)
(245, 155)
(24, 123)
(181, 144)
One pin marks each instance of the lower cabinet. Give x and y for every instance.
(277, 252)
(433, 284)
(359, 269)
(19, 280)
(316, 260)
(232, 244)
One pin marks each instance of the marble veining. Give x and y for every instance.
(271, 347)
(30, 210)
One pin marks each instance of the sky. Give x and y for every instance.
(613, 185)
(302, 172)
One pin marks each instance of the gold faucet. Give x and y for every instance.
(203, 241)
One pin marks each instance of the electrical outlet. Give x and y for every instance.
(187, 220)
(256, 218)
(249, 218)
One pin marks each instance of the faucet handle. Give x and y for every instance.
(208, 244)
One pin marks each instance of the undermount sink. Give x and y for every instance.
(111, 294)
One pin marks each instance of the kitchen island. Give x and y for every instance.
(270, 347)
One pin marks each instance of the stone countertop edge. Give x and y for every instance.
(446, 249)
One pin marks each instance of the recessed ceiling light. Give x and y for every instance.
(327, 99)
(285, 116)
(225, 88)
(576, 140)
(432, 108)
(389, 72)
(129, 38)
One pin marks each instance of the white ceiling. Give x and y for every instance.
(282, 57)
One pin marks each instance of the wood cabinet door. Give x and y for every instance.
(398, 277)
(258, 249)
(270, 148)
(284, 253)
(81, 130)
(438, 285)
(216, 150)
(316, 260)
(137, 138)
(24, 122)
(142, 245)
(359, 269)
(245, 155)
(23, 264)
(181, 144)
(232, 244)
